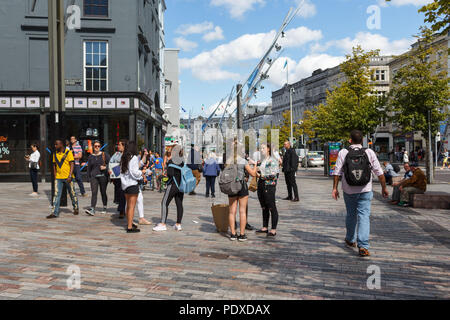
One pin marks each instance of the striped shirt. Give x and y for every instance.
(77, 152)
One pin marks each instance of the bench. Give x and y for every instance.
(430, 200)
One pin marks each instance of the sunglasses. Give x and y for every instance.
(96, 146)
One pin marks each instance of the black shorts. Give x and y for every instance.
(243, 193)
(133, 190)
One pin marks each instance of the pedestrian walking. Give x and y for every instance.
(151, 171)
(130, 178)
(356, 164)
(78, 155)
(290, 167)
(98, 177)
(445, 162)
(158, 171)
(114, 164)
(267, 185)
(63, 165)
(175, 156)
(236, 166)
(405, 157)
(211, 170)
(33, 165)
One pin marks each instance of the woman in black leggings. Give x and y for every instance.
(267, 187)
(175, 156)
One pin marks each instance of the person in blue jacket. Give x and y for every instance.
(211, 170)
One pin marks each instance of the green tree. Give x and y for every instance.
(285, 129)
(350, 105)
(418, 91)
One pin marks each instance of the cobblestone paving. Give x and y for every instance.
(307, 260)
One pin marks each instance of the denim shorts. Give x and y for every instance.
(133, 190)
(243, 193)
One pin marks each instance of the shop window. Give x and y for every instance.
(96, 8)
(96, 65)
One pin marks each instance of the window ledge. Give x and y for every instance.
(96, 19)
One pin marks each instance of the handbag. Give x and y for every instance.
(253, 187)
(33, 165)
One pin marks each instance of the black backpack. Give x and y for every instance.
(357, 167)
(396, 168)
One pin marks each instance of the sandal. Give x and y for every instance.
(262, 231)
(144, 222)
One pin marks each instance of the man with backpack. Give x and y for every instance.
(356, 164)
(290, 167)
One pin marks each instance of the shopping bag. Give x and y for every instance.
(220, 214)
(253, 187)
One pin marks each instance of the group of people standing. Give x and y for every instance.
(129, 171)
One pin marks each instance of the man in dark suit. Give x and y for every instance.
(290, 166)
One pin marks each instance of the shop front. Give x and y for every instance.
(381, 147)
(106, 119)
(17, 133)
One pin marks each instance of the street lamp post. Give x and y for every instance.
(291, 90)
(430, 152)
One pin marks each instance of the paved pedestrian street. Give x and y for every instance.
(307, 260)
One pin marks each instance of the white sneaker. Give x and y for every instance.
(178, 227)
(34, 194)
(160, 227)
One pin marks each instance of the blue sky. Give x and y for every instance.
(221, 41)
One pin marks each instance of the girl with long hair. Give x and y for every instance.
(33, 160)
(267, 185)
(174, 156)
(131, 175)
(242, 197)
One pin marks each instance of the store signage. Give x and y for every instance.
(334, 149)
(74, 82)
(144, 107)
(4, 150)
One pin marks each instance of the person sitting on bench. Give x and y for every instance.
(417, 184)
(396, 192)
(390, 172)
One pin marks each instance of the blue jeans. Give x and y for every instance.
(358, 215)
(78, 178)
(58, 192)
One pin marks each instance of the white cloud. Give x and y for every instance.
(301, 69)
(399, 3)
(217, 34)
(199, 28)
(185, 44)
(221, 110)
(209, 65)
(308, 9)
(371, 41)
(237, 8)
